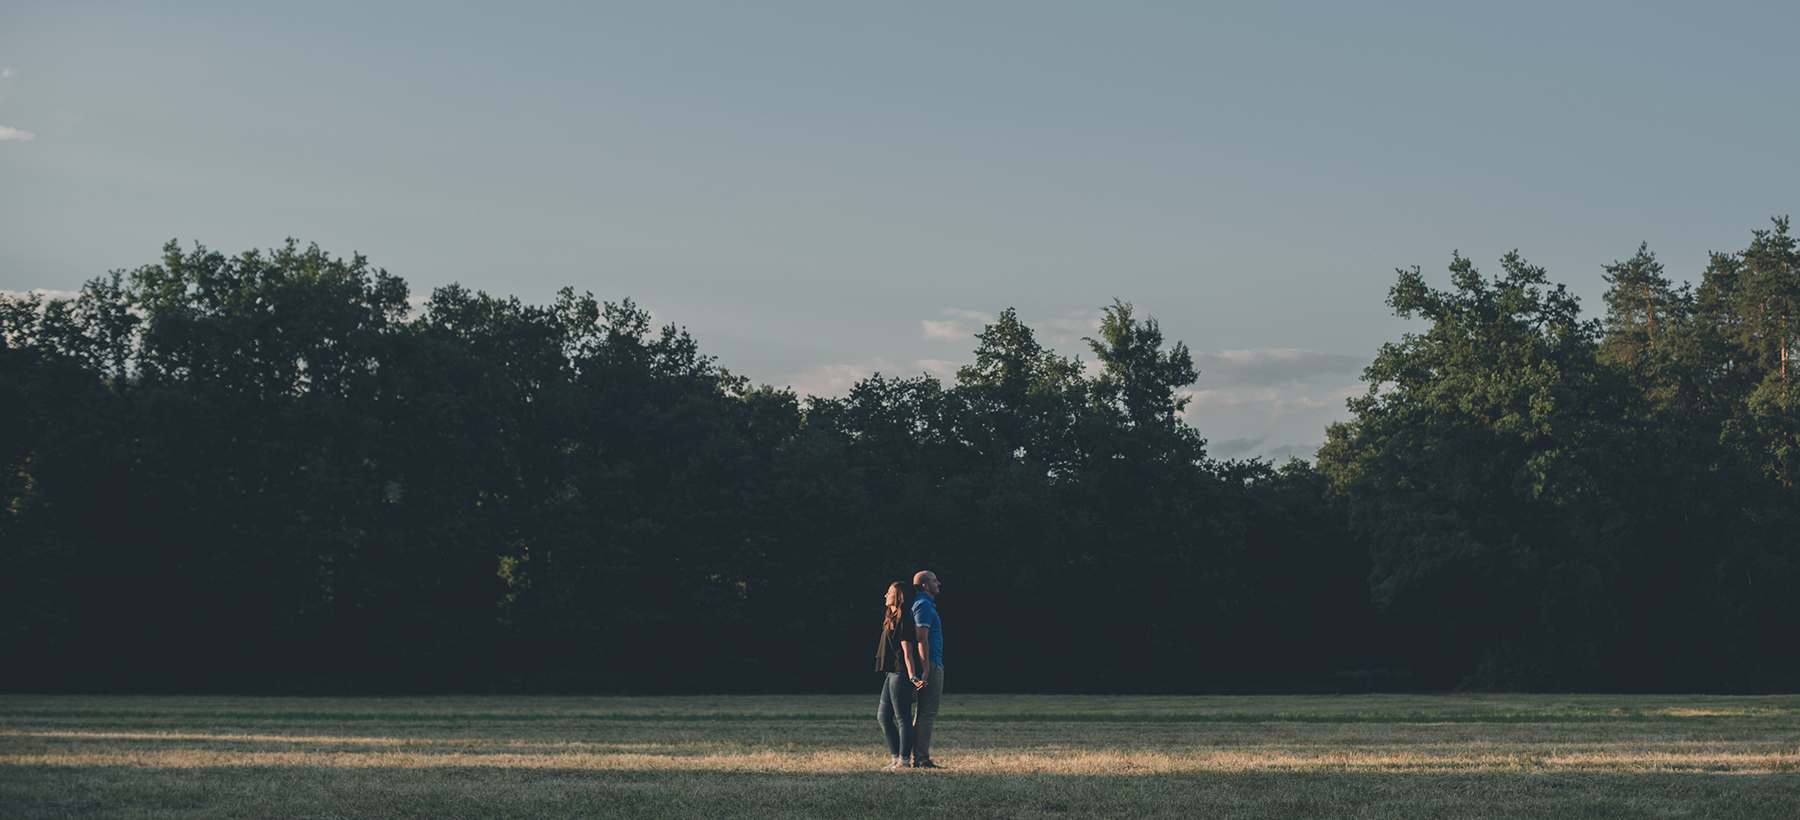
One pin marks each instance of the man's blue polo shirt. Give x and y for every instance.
(925, 614)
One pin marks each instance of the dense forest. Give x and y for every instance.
(273, 473)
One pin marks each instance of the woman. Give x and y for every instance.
(898, 656)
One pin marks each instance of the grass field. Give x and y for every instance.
(1585, 756)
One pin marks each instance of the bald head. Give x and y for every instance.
(926, 581)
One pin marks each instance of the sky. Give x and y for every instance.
(819, 191)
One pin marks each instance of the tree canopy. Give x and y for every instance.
(276, 472)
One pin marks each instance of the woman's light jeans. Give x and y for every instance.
(896, 714)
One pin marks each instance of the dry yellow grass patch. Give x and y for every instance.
(1715, 739)
(1567, 757)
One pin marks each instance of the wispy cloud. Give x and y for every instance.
(6, 73)
(947, 329)
(835, 380)
(964, 323)
(1275, 403)
(1263, 404)
(1235, 446)
(1271, 366)
(1224, 400)
(1332, 400)
(1287, 451)
(11, 134)
(1073, 324)
(961, 325)
(1272, 390)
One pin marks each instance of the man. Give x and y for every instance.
(931, 685)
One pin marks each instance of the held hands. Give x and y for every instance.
(918, 684)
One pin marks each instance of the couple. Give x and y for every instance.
(911, 652)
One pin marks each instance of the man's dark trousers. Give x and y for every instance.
(927, 703)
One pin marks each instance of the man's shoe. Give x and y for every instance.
(927, 763)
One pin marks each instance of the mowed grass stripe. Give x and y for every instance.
(949, 715)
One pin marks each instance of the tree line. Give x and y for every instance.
(271, 472)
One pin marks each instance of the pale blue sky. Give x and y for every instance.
(806, 186)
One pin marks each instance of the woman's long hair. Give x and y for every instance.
(893, 612)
